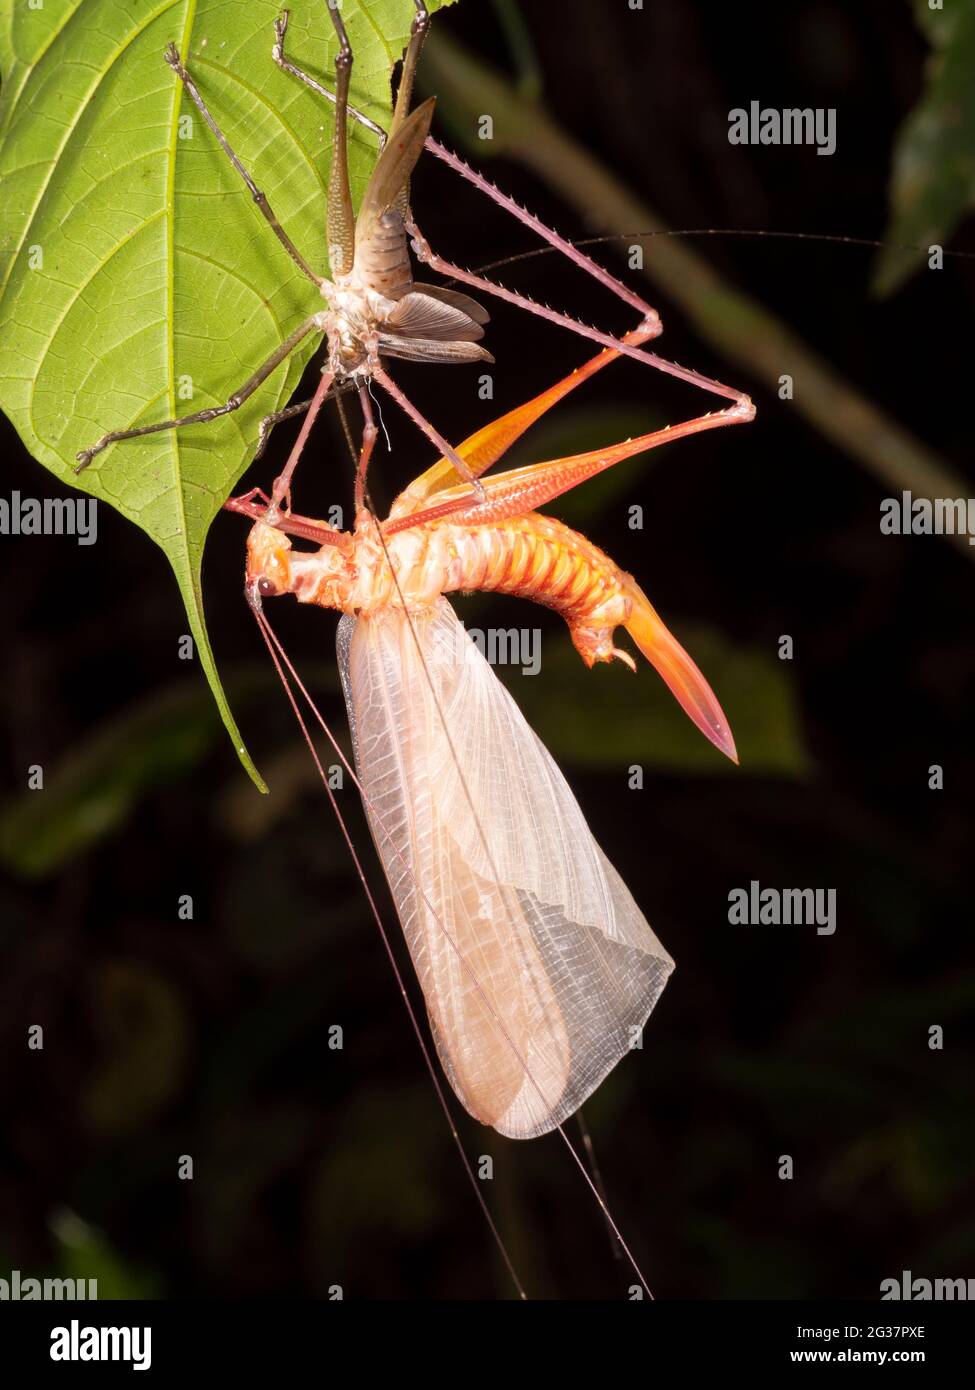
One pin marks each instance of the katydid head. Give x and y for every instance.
(268, 564)
(325, 576)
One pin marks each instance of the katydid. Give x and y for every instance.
(374, 309)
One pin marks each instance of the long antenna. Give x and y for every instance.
(273, 645)
(750, 232)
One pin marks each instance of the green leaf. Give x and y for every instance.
(638, 719)
(137, 279)
(933, 178)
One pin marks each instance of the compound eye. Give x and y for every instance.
(265, 588)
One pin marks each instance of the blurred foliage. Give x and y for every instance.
(89, 796)
(605, 719)
(519, 41)
(77, 1250)
(932, 183)
(405, 1207)
(85, 1253)
(139, 1018)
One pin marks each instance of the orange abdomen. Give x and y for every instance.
(539, 558)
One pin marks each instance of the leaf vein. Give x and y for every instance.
(69, 131)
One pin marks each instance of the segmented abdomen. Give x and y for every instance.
(383, 261)
(539, 558)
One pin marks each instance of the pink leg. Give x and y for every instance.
(304, 526)
(483, 448)
(380, 375)
(523, 490)
(743, 409)
(580, 258)
(365, 453)
(281, 491)
(249, 497)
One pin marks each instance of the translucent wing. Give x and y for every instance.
(537, 967)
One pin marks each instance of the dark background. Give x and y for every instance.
(314, 1167)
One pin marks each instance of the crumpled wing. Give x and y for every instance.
(537, 967)
(431, 350)
(463, 302)
(421, 315)
(392, 169)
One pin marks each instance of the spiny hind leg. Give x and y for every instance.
(743, 407)
(523, 490)
(486, 445)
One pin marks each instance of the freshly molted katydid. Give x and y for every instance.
(374, 309)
